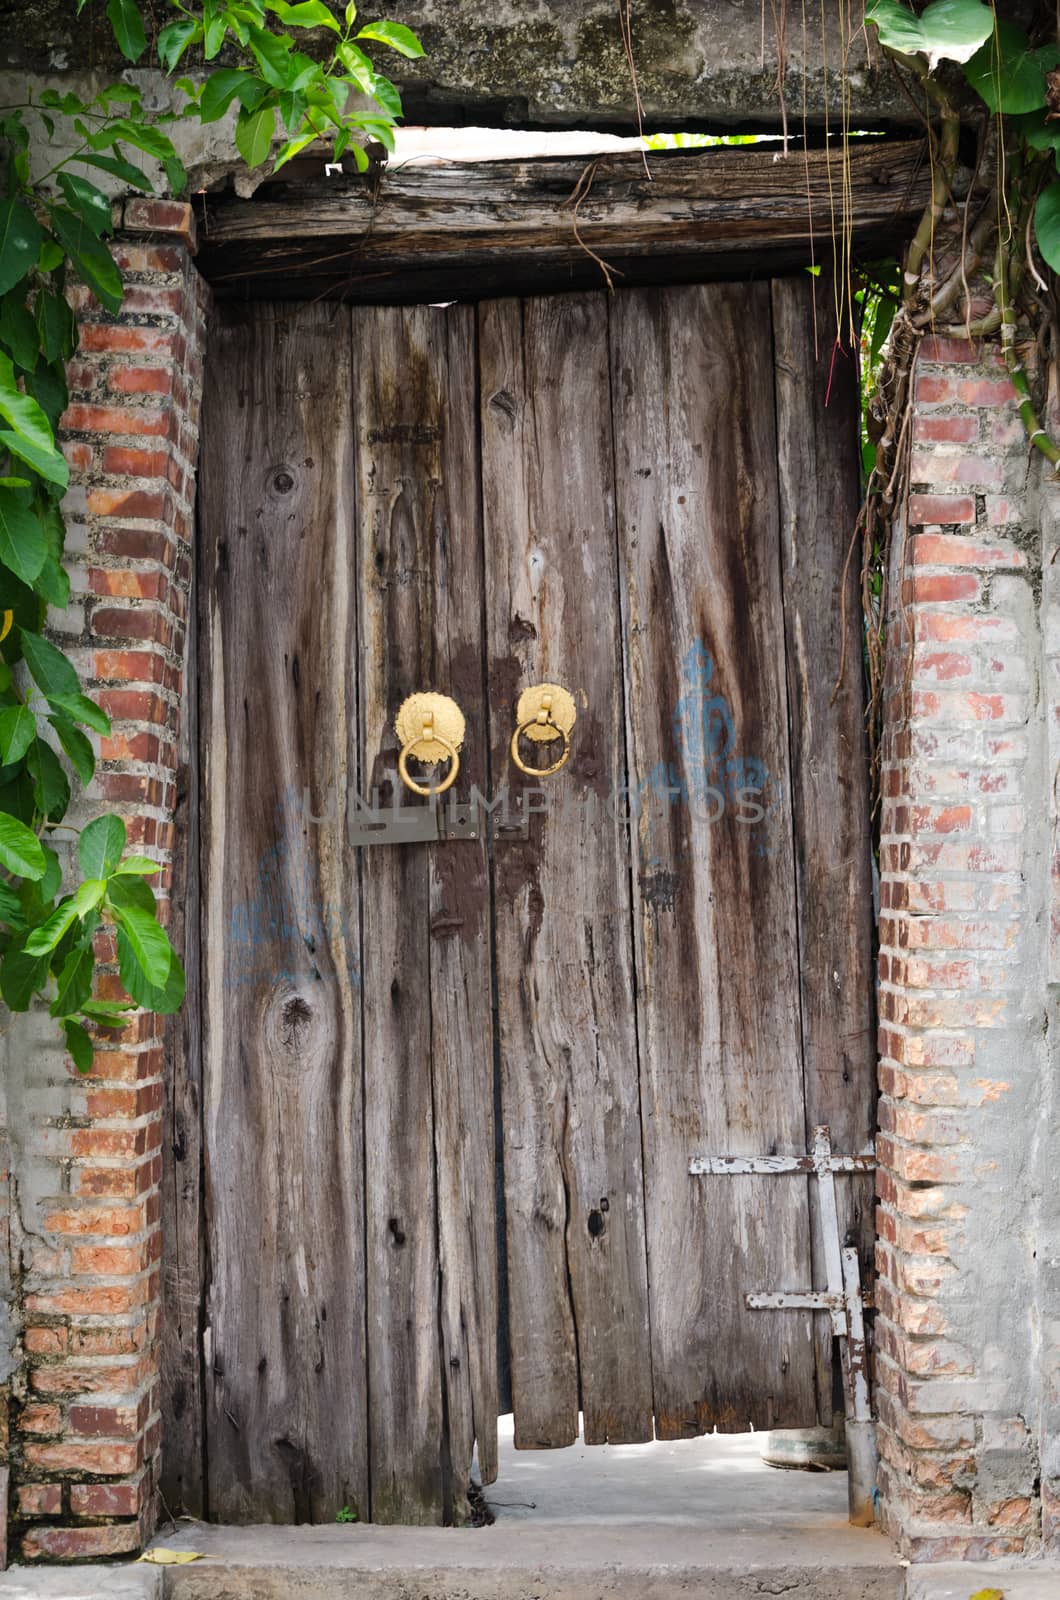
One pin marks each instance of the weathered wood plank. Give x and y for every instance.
(183, 1258)
(427, 995)
(285, 1339)
(718, 1009)
(433, 232)
(817, 408)
(572, 1143)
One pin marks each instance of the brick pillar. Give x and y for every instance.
(86, 1438)
(962, 988)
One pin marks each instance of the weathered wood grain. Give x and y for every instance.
(183, 1258)
(285, 1338)
(718, 1006)
(817, 408)
(570, 1097)
(431, 232)
(427, 989)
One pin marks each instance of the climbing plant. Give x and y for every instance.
(989, 93)
(54, 223)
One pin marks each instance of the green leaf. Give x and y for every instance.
(94, 263)
(79, 751)
(18, 729)
(219, 90)
(111, 1013)
(953, 29)
(89, 203)
(52, 672)
(48, 387)
(20, 242)
(1008, 74)
(166, 998)
(378, 128)
(174, 40)
(20, 849)
(79, 1044)
(79, 708)
(89, 895)
(128, 27)
(49, 885)
(51, 464)
(405, 42)
(357, 65)
(386, 94)
(52, 583)
(100, 846)
(47, 936)
(55, 325)
(215, 26)
(21, 976)
(75, 981)
(118, 167)
(21, 411)
(308, 14)
(176, 175)
(254, 131)
(351, 13)
(18, 331)
(11, 907)
(292, 148)
(1047, 225)
(1039, 134)
(148, 943)
(272, 53)
(137, 866)
(51, 786)
(22, 545)
(129, 892)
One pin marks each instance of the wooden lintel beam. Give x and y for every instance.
(456, 230)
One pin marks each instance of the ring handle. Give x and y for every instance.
(452, 755)
(538, 721)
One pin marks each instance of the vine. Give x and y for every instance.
(53, 224)
(991, 238)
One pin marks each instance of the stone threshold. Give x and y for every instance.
(589, 1562)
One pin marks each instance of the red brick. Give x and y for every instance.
(146, 622)
(115, 419)
(82, 1544)
(104, 1422)
(147, 505)
(944, 586)
(934, 348)
(945, 430)
(107, 1499)
(40, 1499)
(140, 380)
(160, 216)
(941, 508)
(127, 462)
(121, 338)
(950, 550)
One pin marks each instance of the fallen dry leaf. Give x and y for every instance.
(160, 1557)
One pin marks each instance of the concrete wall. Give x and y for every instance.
(561, 63)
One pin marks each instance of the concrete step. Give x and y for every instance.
(646, 1561)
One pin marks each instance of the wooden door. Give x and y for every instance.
(451, 1089)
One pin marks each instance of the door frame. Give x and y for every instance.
(579, 223)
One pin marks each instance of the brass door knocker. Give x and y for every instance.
(430, 728)
(546, 712)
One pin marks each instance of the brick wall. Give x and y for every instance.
(964, 1131)
(85, 1437)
